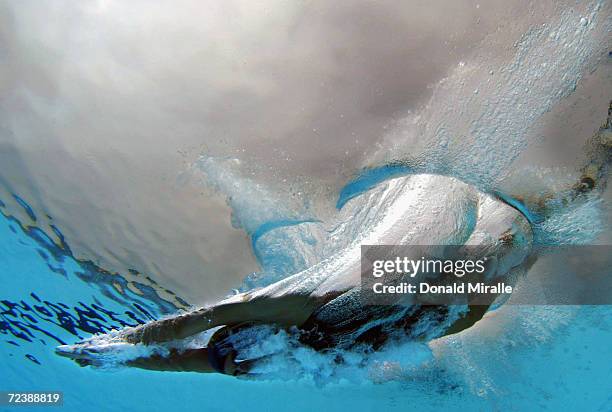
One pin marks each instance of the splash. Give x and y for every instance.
(478, 119)
(476, 139)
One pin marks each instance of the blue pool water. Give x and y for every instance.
(520, 358)
(544, 358)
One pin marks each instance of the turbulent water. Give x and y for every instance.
(503, 362)
(475, 125)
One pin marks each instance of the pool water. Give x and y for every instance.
(518, 358)
(526, 358)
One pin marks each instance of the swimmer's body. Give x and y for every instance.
(322, 305)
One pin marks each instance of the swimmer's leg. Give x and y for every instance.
(594, 174)
(595, 171)
(288, 310)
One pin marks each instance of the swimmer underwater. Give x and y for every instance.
(321, 305)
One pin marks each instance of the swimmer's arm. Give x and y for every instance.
(193, 360)
(288, 310)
